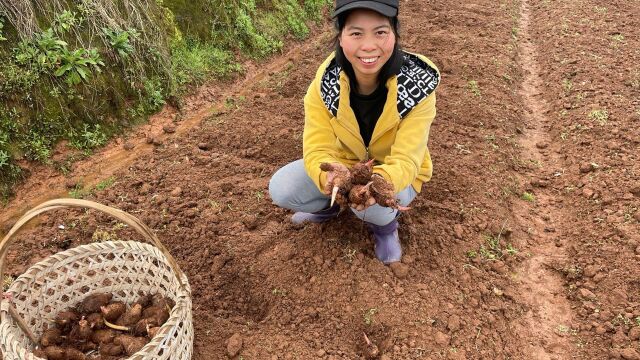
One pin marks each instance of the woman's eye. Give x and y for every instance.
(356, 34)
(382, 32)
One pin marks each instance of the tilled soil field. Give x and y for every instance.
(523, 246)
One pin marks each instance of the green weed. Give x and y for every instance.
(526, 196)
(106, 183)
(121, 40)
(474, 88)
(601, 116)
(368, 316)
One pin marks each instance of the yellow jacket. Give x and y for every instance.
(399, 140)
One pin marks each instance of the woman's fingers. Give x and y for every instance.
(371, 201)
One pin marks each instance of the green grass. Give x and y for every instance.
(526, 196)
(601, 116)
(474, 88)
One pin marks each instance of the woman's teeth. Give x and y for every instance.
(369, 60)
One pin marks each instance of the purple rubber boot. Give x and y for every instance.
(387, 248)
(316, 217)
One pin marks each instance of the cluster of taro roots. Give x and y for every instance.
(99, 328)
(356, 186)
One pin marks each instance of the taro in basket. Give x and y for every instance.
(123, 268)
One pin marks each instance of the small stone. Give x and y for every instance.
(399, 269)
(176, 192)
(590, 271)
(70, 184)
(454, 323)
(588, 193)
(169, 129)
(458, 231)
(204, 146)
(234, 345)
(587, 294)
(629, 354)
(619, 339)
(586, 167)
(399, 290)
(498, 292)
(157, 141)
(129, 146)
(321, 352)
(542, 145)
(442, 339)
(149, 139)
(601, 330)
(634, 333)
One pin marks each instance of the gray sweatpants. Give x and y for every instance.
(291, 188)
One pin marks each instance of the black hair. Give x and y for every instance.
(390, 68)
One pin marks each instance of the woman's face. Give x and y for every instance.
(367, 41)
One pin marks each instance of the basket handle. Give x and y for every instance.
(126, 218)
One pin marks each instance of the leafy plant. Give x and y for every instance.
(120, 40)
(2, 38)
(77, 65)
(64, 21)
(89, 138)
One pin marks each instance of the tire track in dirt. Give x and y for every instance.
(541, 287)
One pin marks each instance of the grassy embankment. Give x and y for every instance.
(82, 71)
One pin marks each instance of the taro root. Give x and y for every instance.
(93, 302)
(383, 192)
(112, 311)
(341, 181)
(163, 301)
(359, 195)
(111, 349)
(66, 318)
(131, 344)
(152, 332)
(157, 313)
(81, 331)
(130, 317)
(51, 337)
(144, 301)
(73, 354)
(361, 172)
(96, 321)
(39, 353)
(103, 336)
(54, 353)
(86, 346)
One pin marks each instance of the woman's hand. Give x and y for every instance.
(338, 181)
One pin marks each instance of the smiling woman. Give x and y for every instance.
(371, 105)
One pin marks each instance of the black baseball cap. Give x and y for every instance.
(385, 7)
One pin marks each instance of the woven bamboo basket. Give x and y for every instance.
(124, 268)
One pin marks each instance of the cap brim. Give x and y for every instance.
(383, 9)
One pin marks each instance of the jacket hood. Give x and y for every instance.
(417, 79)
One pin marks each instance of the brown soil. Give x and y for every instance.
(523, 246)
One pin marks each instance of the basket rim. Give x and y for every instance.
(118, 244)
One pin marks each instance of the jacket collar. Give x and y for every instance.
(416, 80)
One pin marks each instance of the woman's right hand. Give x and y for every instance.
(337, 175)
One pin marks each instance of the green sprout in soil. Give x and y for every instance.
(528, 197)
(368, 316)
(599, 115)
(474, 88)
(106, 183)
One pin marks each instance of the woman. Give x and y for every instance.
(369, 100)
